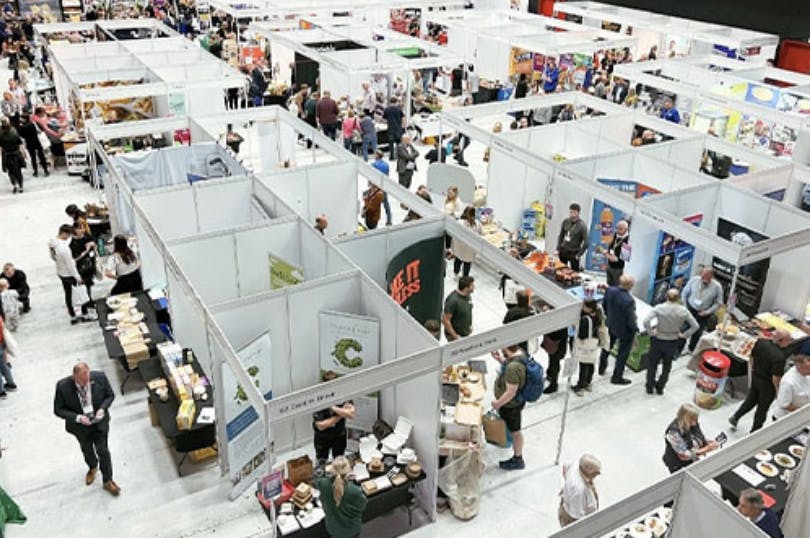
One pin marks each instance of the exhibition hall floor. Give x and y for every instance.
(42, 468)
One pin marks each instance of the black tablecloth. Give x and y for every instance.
(733, 485)
(378, 505)
(114, 348)
(200, 435)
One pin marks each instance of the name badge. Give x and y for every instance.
(88, 409)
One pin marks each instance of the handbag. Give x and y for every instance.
(357, 135)
(495, 431)
(86, 266)
(44, 141)
(549, 345)
(79, 295)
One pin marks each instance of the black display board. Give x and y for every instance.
(415, 279)
(751, 279)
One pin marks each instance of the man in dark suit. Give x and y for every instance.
(752, 506)
(83, 400)
(620, 310)
(406, 161)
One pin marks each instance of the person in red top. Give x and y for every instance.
(327, 111)
(41, 119)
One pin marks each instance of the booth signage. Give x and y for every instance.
(284, 274)
(405, 277)
(604, 219)
(244, 431)
(348, 342)
(672, 265)
(751, 277)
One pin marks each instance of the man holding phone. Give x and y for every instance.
(82, 401)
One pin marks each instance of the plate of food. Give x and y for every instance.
(640, 530)
(763, 455)
(784, 460)
(665, 513)
(767, 469)
(656, 525)
(796, 450)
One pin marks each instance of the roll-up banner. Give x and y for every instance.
(415, 278)
(672, 264)
(751, 278)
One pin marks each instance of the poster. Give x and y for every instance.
(604, 219)
(752, 276)
(244, 431)
(414, 278)
(672, 265)
(283, 274)
(348, 342)
(521, 61)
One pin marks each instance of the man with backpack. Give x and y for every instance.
(520, 379)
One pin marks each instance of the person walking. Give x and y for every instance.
(381, 165)
(578, 497)
(573, 238)
(618, 252)
(30, 134)
(406, 161)
(83, 401)
(457, 317)
(124, 267)
(342, 500)
(768, 357)
(59, 248)
(587, 345)
(11, 147)
(463, 253)
(327, 112)
(702, 295)
(620, 310)
(665, 337)
(508, 385)
(394, 117)
(368, 133)
(372, 206)
(84, 252)
(684, 441)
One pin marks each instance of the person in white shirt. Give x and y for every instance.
(369, 103)
(794, 388)
(59, 248)
(124, 267)
(578, 497)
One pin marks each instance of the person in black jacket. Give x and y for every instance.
(615, 265)
(520, 311)
(258, 85)
(18, 281)
(10, 144)
(30, 134)
(82, 401)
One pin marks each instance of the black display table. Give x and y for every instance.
(200, 436)
(732, 485)
(379, 504)
(114, 348)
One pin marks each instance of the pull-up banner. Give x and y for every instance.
(751, 278)
(415, 278)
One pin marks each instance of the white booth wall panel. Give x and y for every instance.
(687, 153)
(153, 269)
(618, 167)
(424, 412)
(328, 185)
(210, 264)
(745, 208)
(304, 306)
(652, 172)
(171, 212)
(662, 150)
(492, 58)
(585, 167)
(293, 188)
(282, 57)
(205, 100)
(374, 303)
(684, 179)
(787, 286)
(506, 187)
(644, 239)
(698, 202)
(544, 141)
(364, 250)
(319, 258)
(253, 247)
(337, 82)
(223, 205)
(188, 323)
(523, 137)
(580, 143)
(617, 128)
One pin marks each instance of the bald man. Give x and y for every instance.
(666, 337)
(702, 296)
(768, 357)
(82, 401)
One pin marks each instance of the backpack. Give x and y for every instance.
(535, 381)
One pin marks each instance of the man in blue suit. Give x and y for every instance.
(670, 113)
(620, 310)
(752, 506)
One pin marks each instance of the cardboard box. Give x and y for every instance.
(135, 353)
(185, 414)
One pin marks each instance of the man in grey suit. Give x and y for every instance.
(406, 161)
(82, 401)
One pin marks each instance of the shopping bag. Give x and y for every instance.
(495, 431)
(44, 141)
(299, 470)
(79, 295)
(11, 343)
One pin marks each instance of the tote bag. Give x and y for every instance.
(586, 350)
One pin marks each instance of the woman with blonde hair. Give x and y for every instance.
(343, 502)
(685, 442)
